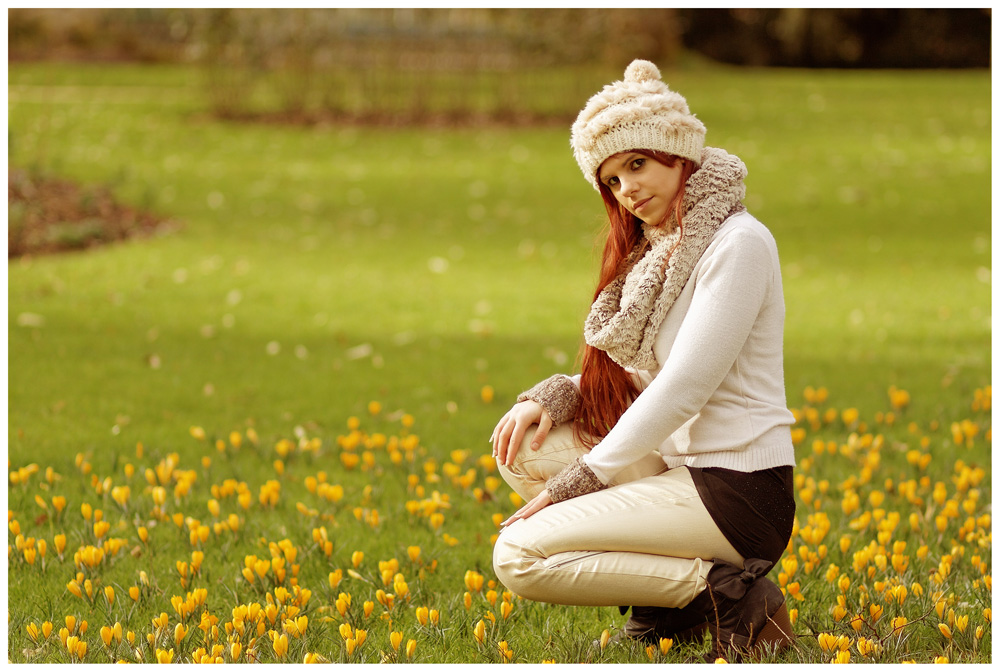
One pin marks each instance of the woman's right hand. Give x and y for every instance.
(510, 431)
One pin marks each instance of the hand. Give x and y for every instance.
(540, 501)
(509, 432)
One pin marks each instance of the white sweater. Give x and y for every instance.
(718, 399)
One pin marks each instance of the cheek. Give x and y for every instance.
(671, 192)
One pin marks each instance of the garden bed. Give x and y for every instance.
(47, 214)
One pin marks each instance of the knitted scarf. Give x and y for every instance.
(627, 314)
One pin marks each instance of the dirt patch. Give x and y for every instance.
(46, 215)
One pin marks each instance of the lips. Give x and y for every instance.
(639, 205)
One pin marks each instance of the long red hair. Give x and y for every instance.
(606, 388)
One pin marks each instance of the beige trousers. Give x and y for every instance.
(647, 540)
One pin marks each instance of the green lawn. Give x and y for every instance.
(317, 270)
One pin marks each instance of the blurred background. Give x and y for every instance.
(341, 205)
(448, 65)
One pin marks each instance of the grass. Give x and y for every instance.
(319, 270)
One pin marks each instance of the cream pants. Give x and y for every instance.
(647, 540)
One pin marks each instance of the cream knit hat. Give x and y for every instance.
(640, 112)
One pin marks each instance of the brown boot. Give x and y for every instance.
(651, 624)
(745, 610)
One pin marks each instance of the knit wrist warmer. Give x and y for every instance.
(574, 480)
(557, 395)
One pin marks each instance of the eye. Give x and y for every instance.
(638, 163)
(612, 182)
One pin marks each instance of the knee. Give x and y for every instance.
(557, 449)
(530, 469)
(510, 562)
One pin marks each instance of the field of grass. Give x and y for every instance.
(309, 369)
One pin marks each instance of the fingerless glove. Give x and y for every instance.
(574, 480)
(558, 395)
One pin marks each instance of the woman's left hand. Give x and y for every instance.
(539, 502)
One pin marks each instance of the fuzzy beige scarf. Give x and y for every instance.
(626, 316)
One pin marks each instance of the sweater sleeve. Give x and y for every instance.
(731, 284)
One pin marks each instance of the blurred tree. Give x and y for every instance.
(841, 38)
(406, 65)
(140, 34)
(849, 37)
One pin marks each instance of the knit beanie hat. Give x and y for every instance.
(640, 112)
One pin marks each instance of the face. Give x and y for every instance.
(643, 185)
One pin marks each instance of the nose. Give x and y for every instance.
(628, 187)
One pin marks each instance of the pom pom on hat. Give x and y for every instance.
(640, 112)
(641, 71)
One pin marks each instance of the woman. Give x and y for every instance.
(666, 479)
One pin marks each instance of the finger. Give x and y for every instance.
(517, 516)
(539, 502)
(544, 425)
(503, 440)
(536, 506)
(516, 437)
(524, 512)
(500, 424)
(496, 432)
